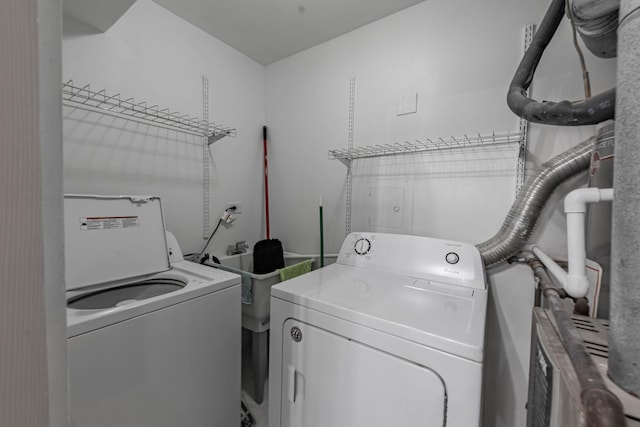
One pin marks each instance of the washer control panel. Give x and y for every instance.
(444, 261)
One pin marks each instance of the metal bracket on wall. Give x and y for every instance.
(521, 164)
(205, 160)
(529, 31)
(349, 184)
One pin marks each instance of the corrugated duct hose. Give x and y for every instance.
(602, 407)
(593, 110)
(523, 215)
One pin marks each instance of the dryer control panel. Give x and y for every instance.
(444, 261)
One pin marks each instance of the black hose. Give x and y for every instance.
(196, 257)
(591, 111)
(602, 407)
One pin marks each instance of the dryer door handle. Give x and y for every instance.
(296, 385)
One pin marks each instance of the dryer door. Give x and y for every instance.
(330, 380)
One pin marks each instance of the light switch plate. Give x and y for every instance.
(408, 104)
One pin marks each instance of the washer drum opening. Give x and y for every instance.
(121, 295)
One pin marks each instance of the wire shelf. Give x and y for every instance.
(99, 101)
(420, 146)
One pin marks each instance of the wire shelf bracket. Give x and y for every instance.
(529, 32)
(86, 98)
(349, 183)
(206, 199)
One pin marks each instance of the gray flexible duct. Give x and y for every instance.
(523, 215)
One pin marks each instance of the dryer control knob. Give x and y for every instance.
(362, 246)
(452, 258)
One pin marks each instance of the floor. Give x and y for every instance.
(258, 411)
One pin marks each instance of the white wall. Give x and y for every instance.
(459, 57)
(33, 368)
(154, 56)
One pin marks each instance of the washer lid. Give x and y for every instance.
(110, 238)
(442, 316)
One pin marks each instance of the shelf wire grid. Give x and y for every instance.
(425, 145)
(86, 98)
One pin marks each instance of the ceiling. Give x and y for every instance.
(270, 30)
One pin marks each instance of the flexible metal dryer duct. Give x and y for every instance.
(624, 338)
(591, 111)
(523, 215)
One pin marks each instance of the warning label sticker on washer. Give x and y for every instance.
(109, 223)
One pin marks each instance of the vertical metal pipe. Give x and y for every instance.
(624, 339)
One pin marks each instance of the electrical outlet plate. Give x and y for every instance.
(238, 206)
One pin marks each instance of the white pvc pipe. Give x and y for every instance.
(575, 282)
(575, 206)
(555, 270)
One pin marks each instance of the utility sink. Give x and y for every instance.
(256, 315)
(125, 294)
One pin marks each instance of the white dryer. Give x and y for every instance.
(153, 340)
(392, 334)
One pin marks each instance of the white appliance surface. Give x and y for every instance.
(140, 355)
(392, 334)
(112, 237)
(199, 280)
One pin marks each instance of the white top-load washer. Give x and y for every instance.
(153, 340)
(392, 334)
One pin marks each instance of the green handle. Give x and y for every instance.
(321, 239)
